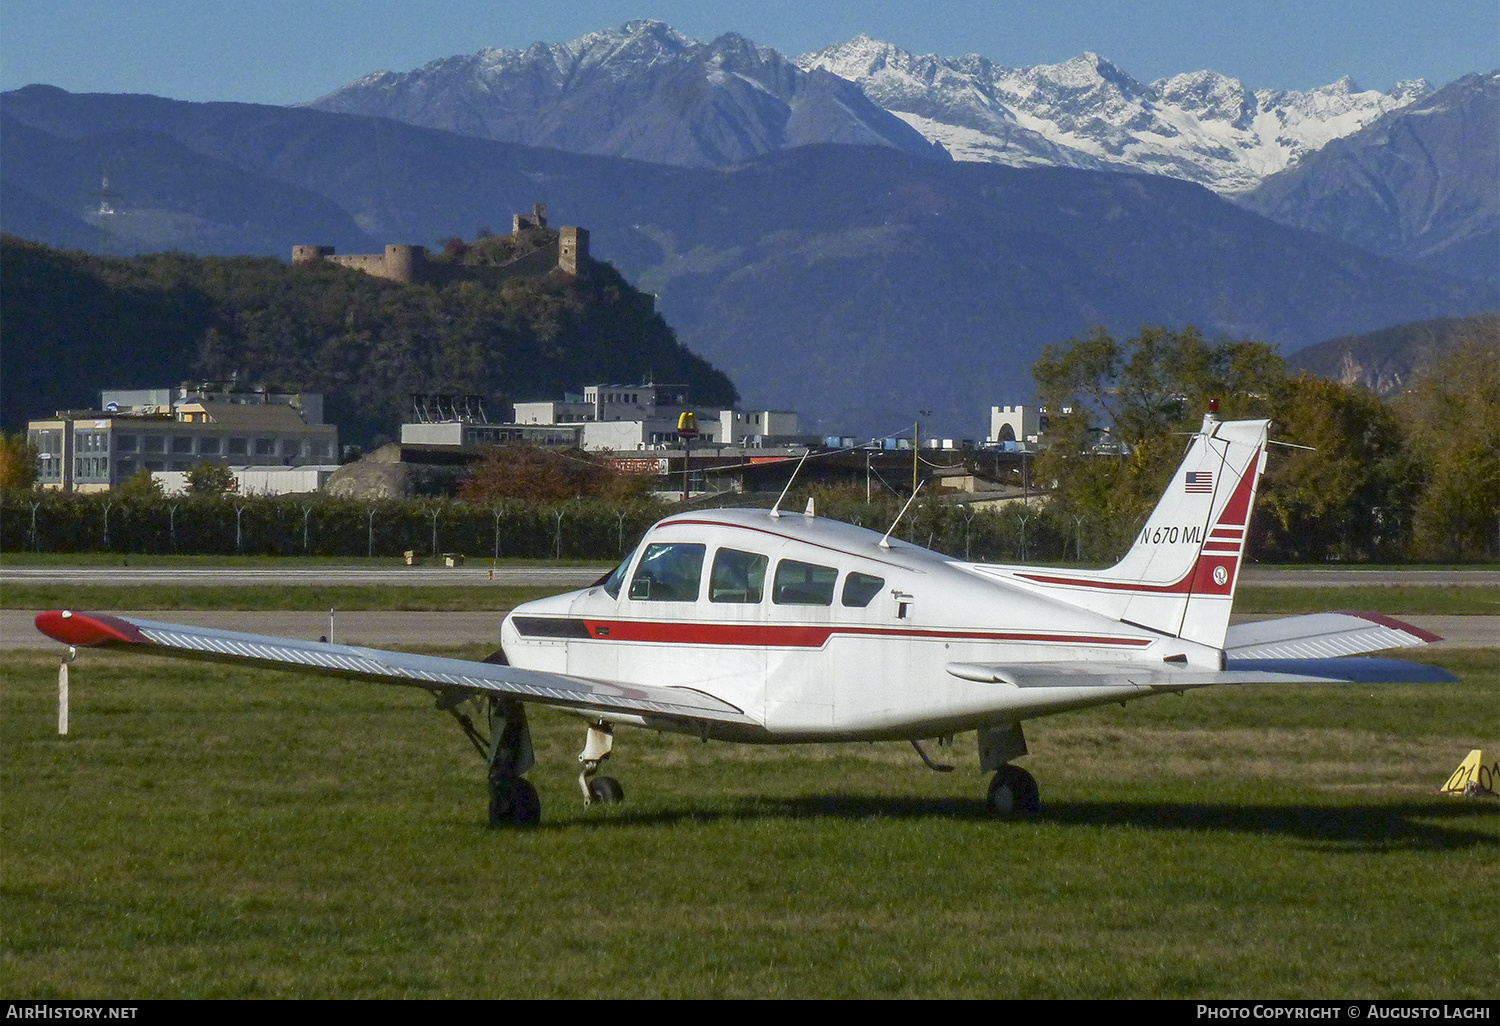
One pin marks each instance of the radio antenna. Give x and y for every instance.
(776, 509)
(885, 542)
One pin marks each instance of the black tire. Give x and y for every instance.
(1013, 793)
(606, 790)
(514, 802)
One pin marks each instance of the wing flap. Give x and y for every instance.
(435, 673)
(1137, 677)
(1322, 635)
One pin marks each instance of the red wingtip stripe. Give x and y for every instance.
(1396, 625)
(87, 629)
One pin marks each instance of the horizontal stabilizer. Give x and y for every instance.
(1322, 635)
(434, 673)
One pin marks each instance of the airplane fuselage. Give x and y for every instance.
(817, 631)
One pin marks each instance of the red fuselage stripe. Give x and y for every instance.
(815, 636)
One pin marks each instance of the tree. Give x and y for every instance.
(18, 459)
(1350, 493)
(211, 479)
(1453, 415)
(140, 485)
(539, 474)
(1114, 410)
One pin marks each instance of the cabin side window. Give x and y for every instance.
(803, 584)
(668, 572)
(860, 588)
(737, 576)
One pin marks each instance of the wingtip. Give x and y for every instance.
(86, 629)
(1394, 624)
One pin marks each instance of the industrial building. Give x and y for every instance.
(279, 438)
(603, 418)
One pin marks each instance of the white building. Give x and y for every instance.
(1014, 424)
(167, 430)
(615, 418)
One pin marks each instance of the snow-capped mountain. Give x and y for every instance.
(1418, 184)
(643, 90)
(1202, 126)
(646, 91)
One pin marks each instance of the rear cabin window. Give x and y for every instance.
(668, 573)
(737, 576)
(859, 589)
(803, 584)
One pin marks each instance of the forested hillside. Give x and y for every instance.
(1388, 361)
(72, 324)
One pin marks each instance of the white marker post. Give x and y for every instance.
(62, 692)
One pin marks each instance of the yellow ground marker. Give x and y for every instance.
(1473, 776)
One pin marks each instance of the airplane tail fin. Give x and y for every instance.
(1180, 575)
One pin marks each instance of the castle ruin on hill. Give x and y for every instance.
(530, 250)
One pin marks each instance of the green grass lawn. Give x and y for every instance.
(215, 832)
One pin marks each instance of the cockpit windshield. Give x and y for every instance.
(615, 580)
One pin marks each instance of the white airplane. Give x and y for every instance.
(776, 628)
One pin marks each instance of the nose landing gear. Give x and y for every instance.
(596, 749)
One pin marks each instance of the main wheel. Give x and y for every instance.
(1013, 793)
(514, 802)
(606, 789)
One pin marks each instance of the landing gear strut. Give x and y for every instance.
(596, 748)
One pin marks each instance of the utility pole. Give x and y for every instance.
(916, 446)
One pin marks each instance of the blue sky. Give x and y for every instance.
(276, 51)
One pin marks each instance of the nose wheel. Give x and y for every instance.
(1013, 793)
(606, 790)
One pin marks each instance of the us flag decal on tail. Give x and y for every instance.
(1199, 481)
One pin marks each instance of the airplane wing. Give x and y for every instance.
(1320, 635)
(437, 674)
(1138, 677)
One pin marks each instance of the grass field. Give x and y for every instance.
(215, 832)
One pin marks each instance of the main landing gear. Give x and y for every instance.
(513, 800)
(507, 753)
(1013, 792)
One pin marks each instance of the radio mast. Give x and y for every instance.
(106, 215)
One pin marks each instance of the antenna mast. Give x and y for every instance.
(106, 214)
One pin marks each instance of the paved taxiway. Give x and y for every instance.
(563, 577)
(399, 630)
